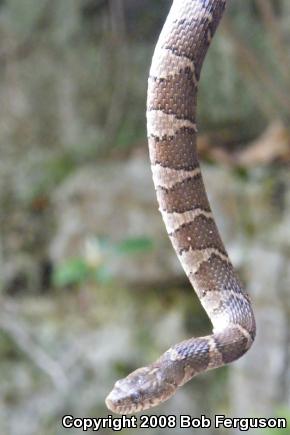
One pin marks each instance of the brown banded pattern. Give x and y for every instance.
(183, 203)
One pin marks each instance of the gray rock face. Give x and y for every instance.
(118, 200)
(264, 373)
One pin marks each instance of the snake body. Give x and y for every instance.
(171, 125)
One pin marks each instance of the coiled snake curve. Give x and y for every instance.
(171, 126)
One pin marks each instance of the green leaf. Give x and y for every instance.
(73, 271)
(132, 245)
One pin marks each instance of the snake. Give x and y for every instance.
(185, 209)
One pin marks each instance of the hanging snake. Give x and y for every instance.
(183, 203)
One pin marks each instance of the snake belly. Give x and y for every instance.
(183, 203)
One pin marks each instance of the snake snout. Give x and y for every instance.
(136, 392)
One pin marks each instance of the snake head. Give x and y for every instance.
(142, 389)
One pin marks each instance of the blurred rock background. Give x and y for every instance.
(90, 287)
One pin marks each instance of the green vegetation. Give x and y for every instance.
(95, 267)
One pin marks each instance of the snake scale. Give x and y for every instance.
(171, 126)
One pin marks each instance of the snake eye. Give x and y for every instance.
(135, 397)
